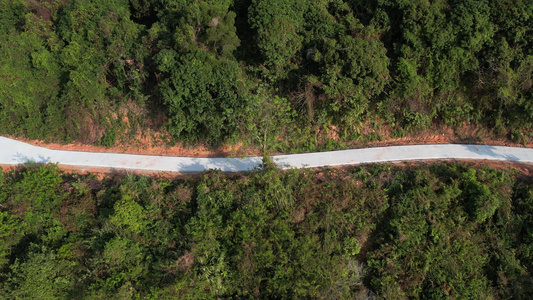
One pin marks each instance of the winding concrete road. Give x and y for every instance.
(13, 152)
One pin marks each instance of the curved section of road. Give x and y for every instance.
(13, 152)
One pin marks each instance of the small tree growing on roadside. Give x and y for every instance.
(266, 117)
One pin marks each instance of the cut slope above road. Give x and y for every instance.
(13, 152)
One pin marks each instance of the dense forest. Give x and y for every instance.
(437, 231)
(270, 73)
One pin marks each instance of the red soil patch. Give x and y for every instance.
(147, 146)
(442, 134)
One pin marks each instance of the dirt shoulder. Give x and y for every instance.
(439, 134)
(147, 147)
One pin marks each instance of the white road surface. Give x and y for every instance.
(13, 152)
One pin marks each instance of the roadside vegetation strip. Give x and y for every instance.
(15, 152)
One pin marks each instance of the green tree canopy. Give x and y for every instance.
(203, 93)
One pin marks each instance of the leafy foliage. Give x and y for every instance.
(203, 95)
(73, 70)
(424, 231)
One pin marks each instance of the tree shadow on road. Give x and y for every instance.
(39, 159)
(492, 152)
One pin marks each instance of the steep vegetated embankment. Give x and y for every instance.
(388, 231)
(277, 75)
